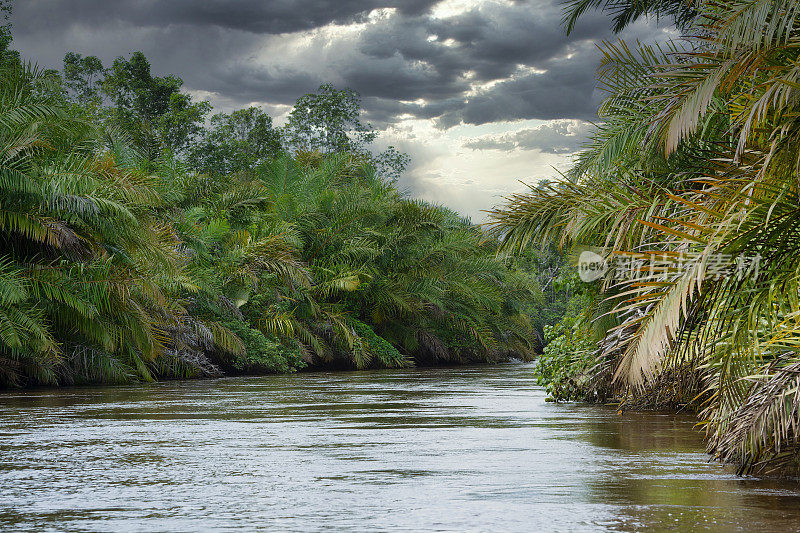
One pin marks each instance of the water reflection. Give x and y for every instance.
(450, 449)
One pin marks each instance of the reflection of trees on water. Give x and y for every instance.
(652, 480)
(640, 432)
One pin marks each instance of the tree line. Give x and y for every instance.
(142, 238)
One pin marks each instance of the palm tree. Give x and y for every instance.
(118, 266)
(626, 12)
(321, 256)
(692, 174)
(89, 273)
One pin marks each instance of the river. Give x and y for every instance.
(455, 449)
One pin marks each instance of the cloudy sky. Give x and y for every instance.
(481, 93)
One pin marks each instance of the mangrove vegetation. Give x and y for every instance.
(688, 191)
(143, 238)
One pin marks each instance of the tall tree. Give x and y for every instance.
(235, 142)
(83, 77)
(152, 107)
(7, 55)
(328, 121)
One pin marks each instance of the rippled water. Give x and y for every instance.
(431, 449)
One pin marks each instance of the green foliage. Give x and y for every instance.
(85, 267)
(135, 93)
(5, 28)
(391, 163)
(383, 353)
(262, 354)
(324, 254)
(83, 77)
(626, 12)
(8, 56)
(692, 172)
(554, 284)
(568, 356)
(149, 112)
(152, 115)
(570, 341)
(138, 244)
(328, 121)
(182, 122)
(151, 108)
(236, 142)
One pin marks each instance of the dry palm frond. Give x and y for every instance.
(762, 434)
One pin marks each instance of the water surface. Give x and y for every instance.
(458, 449)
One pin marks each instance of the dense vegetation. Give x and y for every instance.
(139, 240)
(692, 174)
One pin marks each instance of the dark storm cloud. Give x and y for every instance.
(486, 43)
(273, 16)
(558, 137)
(257, 84)
(538, 71)
(384, 110)
(497, 61)
(493, 39)
(394, 78)
(566, 89)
